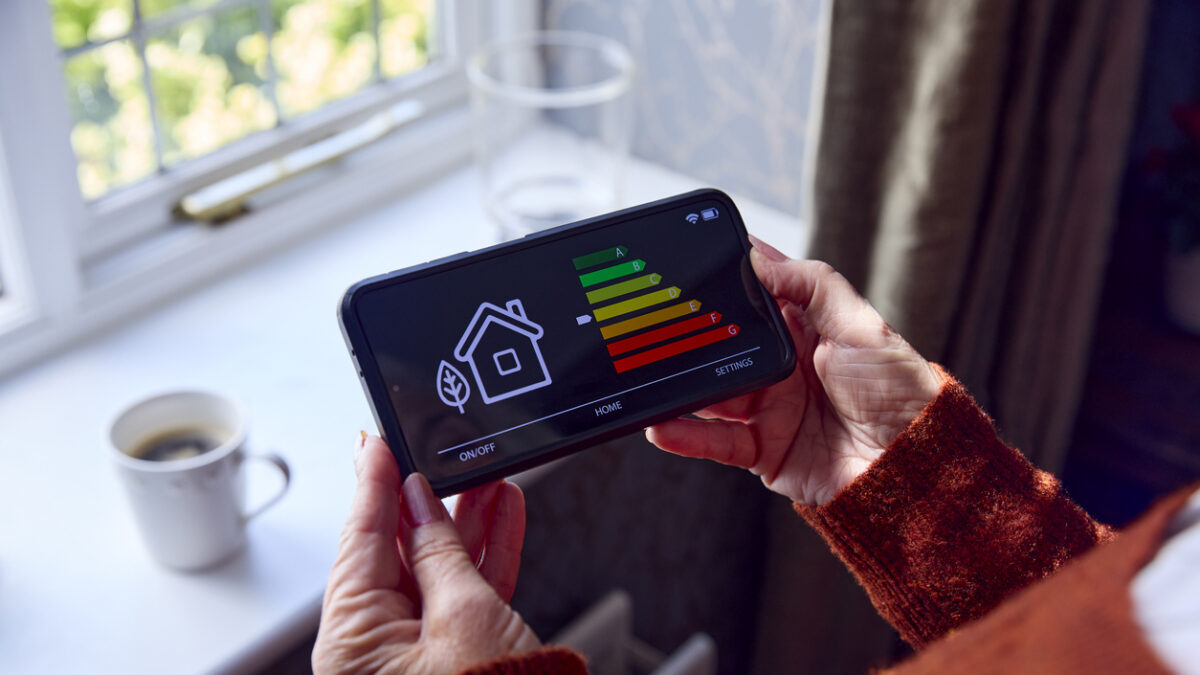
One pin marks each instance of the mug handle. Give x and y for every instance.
(279, 463)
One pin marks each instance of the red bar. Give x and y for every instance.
(675, 348)
(665, 333)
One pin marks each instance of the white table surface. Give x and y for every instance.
(78, 593)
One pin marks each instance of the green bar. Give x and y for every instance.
(634, 304)
(621, 288)
(599, 257)
(609, 273)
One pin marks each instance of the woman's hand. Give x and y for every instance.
(856, 386)
(407, 592)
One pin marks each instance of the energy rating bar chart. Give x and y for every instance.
(639, 320)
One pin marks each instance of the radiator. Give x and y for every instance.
(604, 635)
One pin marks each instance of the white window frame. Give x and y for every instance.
(15, 307)
(72, 268)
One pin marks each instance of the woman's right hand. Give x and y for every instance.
(856, 386)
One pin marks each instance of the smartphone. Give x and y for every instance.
(487, 363)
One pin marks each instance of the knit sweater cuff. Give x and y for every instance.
(545, 661)
(950, 521)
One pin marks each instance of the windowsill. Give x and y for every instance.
(77, 590)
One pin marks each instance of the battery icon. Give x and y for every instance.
(709, 213)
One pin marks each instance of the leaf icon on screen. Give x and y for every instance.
(452, 387)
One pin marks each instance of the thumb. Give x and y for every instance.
(432, 547)
(826, 297)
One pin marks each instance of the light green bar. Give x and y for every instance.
(634, 304)
(636, 284)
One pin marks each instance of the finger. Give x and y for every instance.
(502, 553)
(767, 249)
(735, 409)
(472, 516)
(826, 296)
(367, 555)
(433, 549)
(721, 441)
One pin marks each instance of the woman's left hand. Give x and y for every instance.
(415, 591)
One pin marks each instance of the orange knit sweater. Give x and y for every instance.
(954, 536)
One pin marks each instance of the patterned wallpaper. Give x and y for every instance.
(724, 85)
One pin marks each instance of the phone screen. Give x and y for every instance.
(491, 359)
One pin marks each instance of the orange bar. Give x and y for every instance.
(649, 319)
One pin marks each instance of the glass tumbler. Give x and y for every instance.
(552, 118)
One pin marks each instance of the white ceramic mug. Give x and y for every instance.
(190, 511)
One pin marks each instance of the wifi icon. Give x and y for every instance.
(692, 218)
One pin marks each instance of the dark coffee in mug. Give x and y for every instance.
(178, 444)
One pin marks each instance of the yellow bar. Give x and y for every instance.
(657, 316)
(634, 304)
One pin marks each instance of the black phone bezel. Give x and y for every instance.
(375, 389)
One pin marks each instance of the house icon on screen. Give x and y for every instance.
(501, 347)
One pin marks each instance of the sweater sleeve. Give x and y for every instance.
(545, 661)
(950, 521)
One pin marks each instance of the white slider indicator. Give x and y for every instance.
(582, 319)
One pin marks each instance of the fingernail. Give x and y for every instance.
(766, 249)
(358, 446)
(757, 260)
(420, 506)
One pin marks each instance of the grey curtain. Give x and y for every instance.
(965, 180)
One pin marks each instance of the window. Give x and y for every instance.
(167, 97)
(152, 84)
(115, 113)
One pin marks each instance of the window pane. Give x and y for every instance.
(324, 50)
(404, 31)
(208, 75)
(112, 135)
(79, 21)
